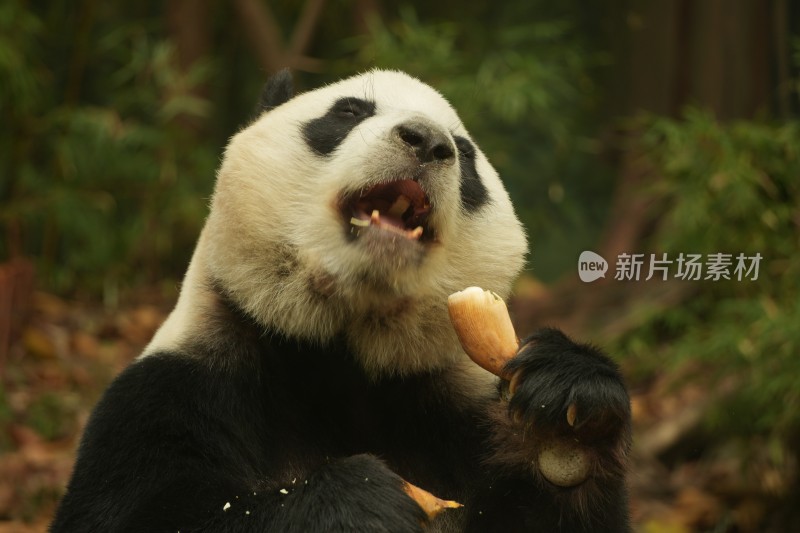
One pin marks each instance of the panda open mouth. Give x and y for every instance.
(399, 207)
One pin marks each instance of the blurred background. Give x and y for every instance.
(633, 126)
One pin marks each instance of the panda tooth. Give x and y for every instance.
(416, 233)
(359, 222)
(399, 206)
(375, 218)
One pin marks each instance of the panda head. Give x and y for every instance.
(354, 210)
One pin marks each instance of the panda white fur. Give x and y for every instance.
(309, 365)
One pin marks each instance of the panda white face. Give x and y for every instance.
(356, 209)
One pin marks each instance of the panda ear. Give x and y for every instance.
(278, 89)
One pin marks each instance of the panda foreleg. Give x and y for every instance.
(554, 376)
(356, 493)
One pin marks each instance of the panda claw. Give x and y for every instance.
(572, 413)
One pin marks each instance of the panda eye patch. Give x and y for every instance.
(465, 148)
(326, 133)
(473, 192)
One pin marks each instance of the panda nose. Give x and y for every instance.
(428, 143)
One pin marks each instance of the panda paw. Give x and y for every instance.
(357, 492)
(570, 406)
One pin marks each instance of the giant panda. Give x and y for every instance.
(309, 368)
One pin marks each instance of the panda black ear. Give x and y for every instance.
(278, 89)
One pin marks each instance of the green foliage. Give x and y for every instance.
(18, 81)
(735, 183)
(734, 188)
(104, 185)
(98, 159)
(524, 92)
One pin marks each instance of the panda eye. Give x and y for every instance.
(349, 112)
(351, 108)
(465, 148)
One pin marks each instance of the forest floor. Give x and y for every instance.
(65, 354)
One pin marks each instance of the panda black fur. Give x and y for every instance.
(309, 365)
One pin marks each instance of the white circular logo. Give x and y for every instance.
(591, 266)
